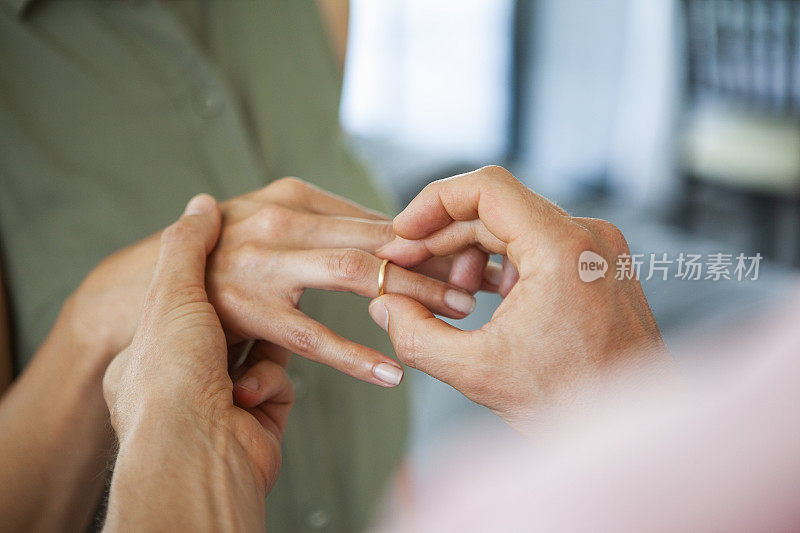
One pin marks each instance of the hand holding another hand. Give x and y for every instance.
(275, 243)
(553, 334)
(176, 368)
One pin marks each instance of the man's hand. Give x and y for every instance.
(553, 333)
(171, 398)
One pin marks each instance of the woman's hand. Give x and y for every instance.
(185, 448)
(289, 236)
(552, 333)
(275, 243)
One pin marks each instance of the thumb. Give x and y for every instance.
(184, 248)
(423, 341)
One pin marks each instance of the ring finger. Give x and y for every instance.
(357, 271)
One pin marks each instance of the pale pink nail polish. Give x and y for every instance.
(459, 301)
(388, 373)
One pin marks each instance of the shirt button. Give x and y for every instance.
(318, 518)
(208, 104)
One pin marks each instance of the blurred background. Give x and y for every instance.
(675, 119)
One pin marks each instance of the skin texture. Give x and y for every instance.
(270, 249)
(275, 243)
(55, 437)
(171, 401)
(553, 336)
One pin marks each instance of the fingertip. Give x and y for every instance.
(468, 269)
(510, 278)
(403, 252)
(459, 301)
(244, 396)
(201, 204)
(379, 313)
(245, 391)
(206, 207)
(493, 275)
(401, 308)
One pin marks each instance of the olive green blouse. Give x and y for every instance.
(113, 114)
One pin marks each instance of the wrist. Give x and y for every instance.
(104, 310)
(155, 422)
(93, 339)
(152, 423)
(204, 476)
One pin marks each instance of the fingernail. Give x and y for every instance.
(200, 205)
(459, 301)
(494, 275)
(379, 313)
(388, 373)
(249, 384)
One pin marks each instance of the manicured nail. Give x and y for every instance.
(379, 313)
(249, 384)
(459, 301)
(387, 373)
(200, 205)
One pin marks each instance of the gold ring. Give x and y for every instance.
(382, 278)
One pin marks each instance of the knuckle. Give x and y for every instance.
(407, 349)
(180, 300)
(301, 340)
(245, 256)
(274, 219)
(349, 265)
(495, 172)
(613, 237)
(583, 240)
(289, 186)
(569, 249)
(227, 297)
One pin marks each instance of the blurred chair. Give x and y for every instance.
(740, 140)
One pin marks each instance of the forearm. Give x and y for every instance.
(174, 472)
(54, 437)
